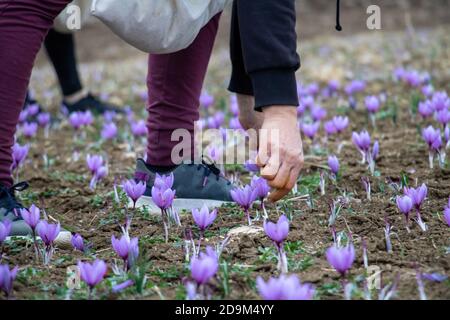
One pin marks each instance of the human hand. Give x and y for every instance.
(280, 153)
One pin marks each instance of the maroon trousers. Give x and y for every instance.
(174, 82)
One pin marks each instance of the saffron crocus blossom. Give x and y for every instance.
(139, 128)
(418, 196)
(433, 138)
(278, 233)
(286, 287)
(134, 190)
(427, 90)
(127, 249)
(425, 109)
(48, 232)
(164, 181)
(78, 242)
(447, 215)
(244, 197)
(205, 266)
(329, 127)
(413, 78)
(261, 187)
(341, 258)
(333, 163)
(373, 106)
(203, 217)
(19, 153)
(163, 198)
(5, 230)
(109, 131)
(310, 129)
(206, 100)
(122, 286)
(405, 206)
(354, 87)
(251, 166)
(235, 124)
(87, 118)
(94, 163)
(92, 274)
(7, 277)
(76, 120)
(318, 113)
(43, 119)
(443, 117)
(340, 123)
(362, 142)
(31, 216)
(29, 130)
(440, 101)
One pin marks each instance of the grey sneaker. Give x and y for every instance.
(10, 210)
(195, 184)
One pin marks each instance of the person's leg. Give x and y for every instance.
(23, 26)
(174, 86)
(60, 48)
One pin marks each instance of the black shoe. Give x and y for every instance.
(91, 103)
(195, 184)
(10, 209)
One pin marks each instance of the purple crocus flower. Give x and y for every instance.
(318, 113)
(307, 102)
(372, 104)
(109, 131)
(139, 128)
(126, 248)
(92, 274)
(313, 89)
(134, 190)
(354, 87)
(447, 215)
(29, 129)
(244, 197)
(341, 258)
(87, 118)
(334, 85)
(417, 195)
(5, 230)
(76, 120)
(428, 90)
(440, 101)
(94, 163)
(329, 127)
(122, 286)
(333, 163)
(19, 153)
(163, 198)
(23, 116)
(405, 205)
(78, 242)
(164, 181)
(430, 135)
(235, 124)
(260, 186)
(48, 232)
(425, 109)
(361, 140)
(413, 78)
(206, 100)
(203, 218)
(7, 277)
(286, 287)
(205, 266)
(310, 130)
(443, 117)
(234, 106)
(277, 232)
(251, 166)
(33, 109)
(43, 119)
(340, 123)
(31, 216)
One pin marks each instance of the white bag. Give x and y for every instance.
(67, 16)
(157, 26)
